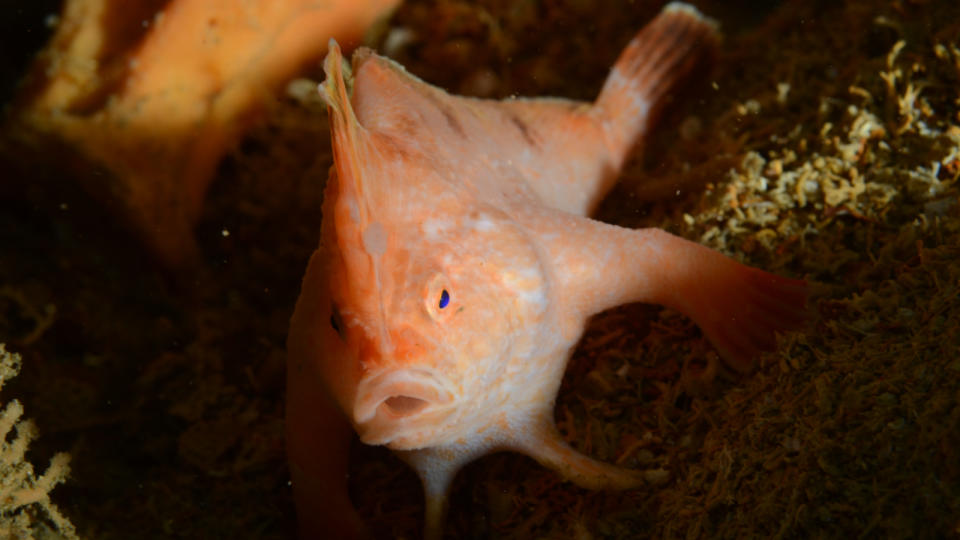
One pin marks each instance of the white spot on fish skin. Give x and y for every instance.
(535, 298)
(628, 85)
(433, 229)
(375, 239)
(527, 284)
(483, 224)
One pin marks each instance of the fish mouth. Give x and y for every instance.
(389, 402)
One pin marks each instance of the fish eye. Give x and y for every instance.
(438, 298)
(444, 299)
(335, 321)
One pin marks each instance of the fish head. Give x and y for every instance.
(434, 298)
(434, 330)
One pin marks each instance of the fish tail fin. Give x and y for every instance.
(665, 51)
(744, 309)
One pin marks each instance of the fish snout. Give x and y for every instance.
(390, 403)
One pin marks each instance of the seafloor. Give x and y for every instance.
(825, 143)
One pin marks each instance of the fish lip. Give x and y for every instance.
(424, 384)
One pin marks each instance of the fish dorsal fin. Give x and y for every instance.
(345, 133)
(361, 237)
(360, 193)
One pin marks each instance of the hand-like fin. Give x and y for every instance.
(537, 438)
(740, 309)
(745, 308)
(543, 443)
(437, 468)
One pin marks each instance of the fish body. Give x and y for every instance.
(457, 269)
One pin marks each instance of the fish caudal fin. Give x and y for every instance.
(667, 50)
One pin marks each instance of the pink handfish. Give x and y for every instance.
(456, 272)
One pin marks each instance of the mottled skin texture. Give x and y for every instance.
(456, 272)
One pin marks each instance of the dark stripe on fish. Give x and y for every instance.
(523, 127)
(448, 114)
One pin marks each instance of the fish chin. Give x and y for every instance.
(401, 408)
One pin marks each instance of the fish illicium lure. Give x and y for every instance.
(457, 269)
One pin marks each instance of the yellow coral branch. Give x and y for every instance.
(20, 489)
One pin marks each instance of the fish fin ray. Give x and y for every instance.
(345, 129)
(661, 55)
(745, 309)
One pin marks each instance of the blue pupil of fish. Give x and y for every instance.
(444, 299)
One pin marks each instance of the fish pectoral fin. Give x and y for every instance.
(545, 445)
(741, 309)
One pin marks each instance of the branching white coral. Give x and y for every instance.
(25, 504)
(856, 170)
